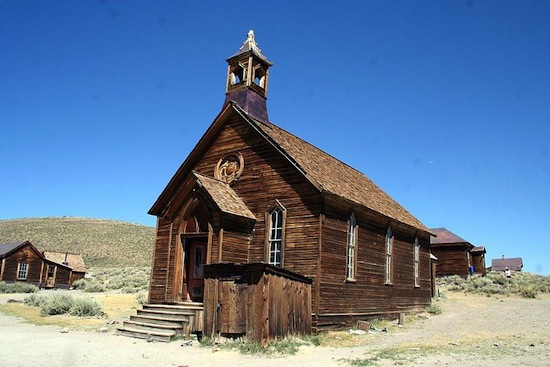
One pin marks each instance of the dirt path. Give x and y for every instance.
(472, 331)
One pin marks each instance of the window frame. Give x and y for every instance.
(389, 244)
(269, 231)
(351, 249)
(416, 262)
(22, 268)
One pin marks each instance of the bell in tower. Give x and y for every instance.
(247, 79)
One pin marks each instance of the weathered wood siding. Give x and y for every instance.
(235, 247)
(342, 302)
(25, 254)
(451, 260)
(159, 268)
(268, 177)
(62, 276)
(257, 301)
(478, 261)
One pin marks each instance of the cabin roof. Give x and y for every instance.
(7, 248)
(74, 261)
(513, 263)
(445, 237)
(224, 196)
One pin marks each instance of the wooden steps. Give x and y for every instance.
(159, 322)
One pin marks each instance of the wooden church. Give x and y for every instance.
(272, 235)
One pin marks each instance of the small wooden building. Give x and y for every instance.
(21, 262)
(455, 255)
(252, 193)
(62, 269)
(512, 263)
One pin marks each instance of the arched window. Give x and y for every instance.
(197, 219)
(389, 260)
(351, 269)
(275, 225)
(416, 250)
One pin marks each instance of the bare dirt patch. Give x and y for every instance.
(471, 331)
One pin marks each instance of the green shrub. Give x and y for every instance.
(35, 300)
(141, 298)
(86, 307)
(57, 304)
(18, 287)
(528, 292)
(94, 287)
(79, 284)
(434, 309)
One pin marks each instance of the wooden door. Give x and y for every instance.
(50, 276)
(195, 272)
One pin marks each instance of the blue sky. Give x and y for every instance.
(444, 104)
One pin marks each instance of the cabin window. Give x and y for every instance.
(352, 249)
(275, 220)
(416, 262)
(22, 270)
(389, 260)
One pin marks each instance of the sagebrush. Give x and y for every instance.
(522, 284)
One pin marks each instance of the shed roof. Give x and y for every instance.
(479, 249)
(74, 261)
(513, 263)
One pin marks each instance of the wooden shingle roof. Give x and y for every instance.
(224, 196)
(73, 261)
(343, 180)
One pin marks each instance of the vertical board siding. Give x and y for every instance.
(253, 302)
(159, 271)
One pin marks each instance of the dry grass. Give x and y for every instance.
(115, 307)
(99, 241)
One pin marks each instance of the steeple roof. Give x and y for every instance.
(250, 45)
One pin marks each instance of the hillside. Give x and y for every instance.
(102, 243)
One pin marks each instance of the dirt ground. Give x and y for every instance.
(471, 331)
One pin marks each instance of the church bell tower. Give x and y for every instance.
(247, 79)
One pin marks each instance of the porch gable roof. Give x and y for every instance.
(224, 196)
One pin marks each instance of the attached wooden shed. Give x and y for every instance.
(62, 269)
(455, 255)
(256, 300)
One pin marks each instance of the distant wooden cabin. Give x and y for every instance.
(62, 269)
(512, 263)
(21, 262)
(252, 193)
(455, 255)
